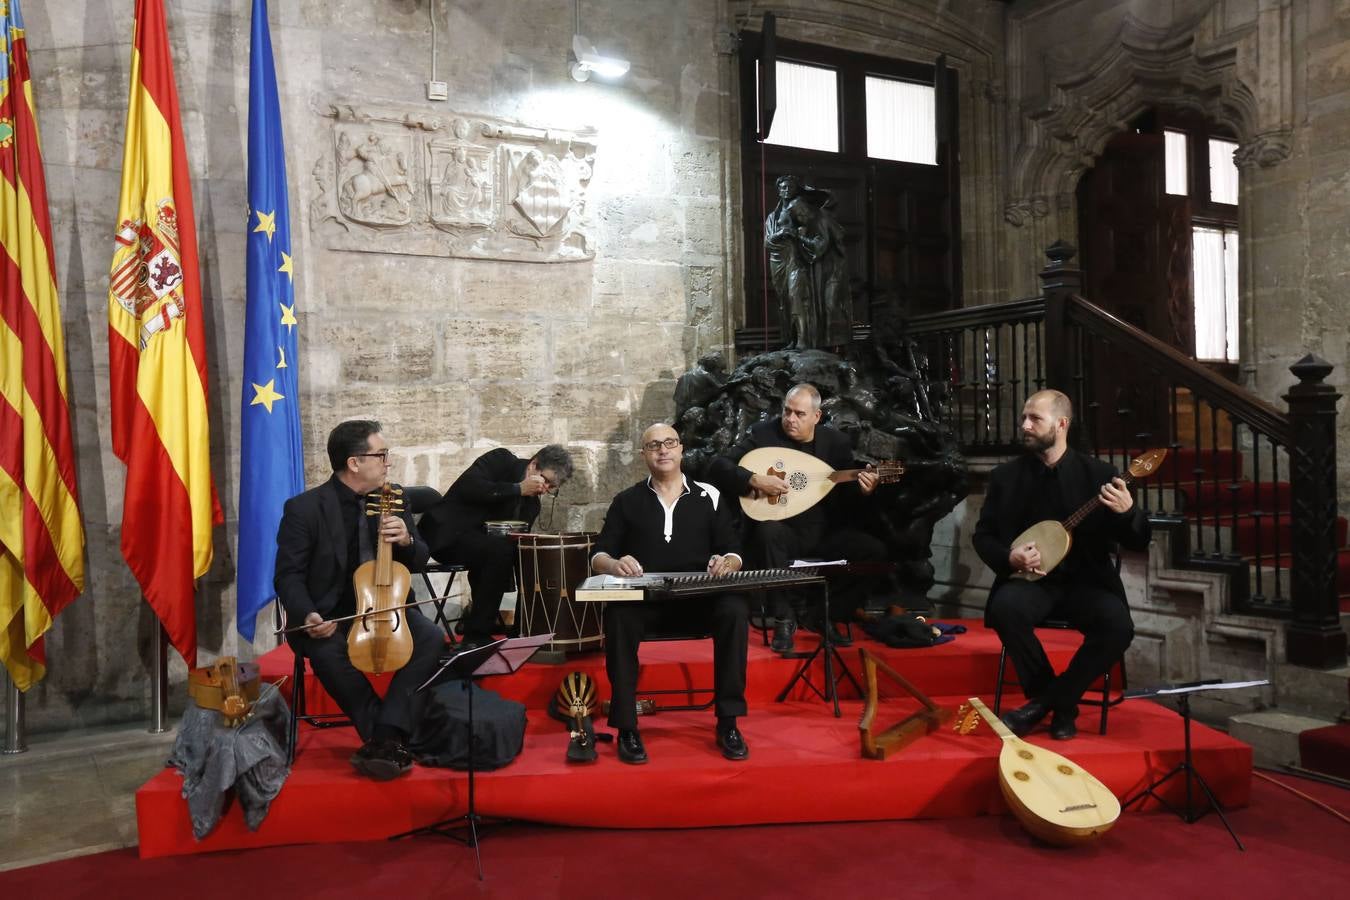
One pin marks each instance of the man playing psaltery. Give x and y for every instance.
(667, 523)
(323, 537)
(1051, 481)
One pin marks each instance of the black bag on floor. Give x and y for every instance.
(443, 737)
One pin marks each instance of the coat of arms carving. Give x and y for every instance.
(470, 186)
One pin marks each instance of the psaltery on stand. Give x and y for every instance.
(927, 720)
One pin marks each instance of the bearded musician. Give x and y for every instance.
(1051, 481)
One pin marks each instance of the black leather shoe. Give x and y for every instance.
(732, 744)
(1025, 717)
(382, 760)
(631, 750)
(783, 631)
(1063, 726)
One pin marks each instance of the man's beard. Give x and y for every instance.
(1038, 443)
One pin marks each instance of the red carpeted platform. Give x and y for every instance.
(805, 765)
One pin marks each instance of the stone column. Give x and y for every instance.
(1315, 637)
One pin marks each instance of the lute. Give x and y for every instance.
(808, 479)
(1054, 539)
(1052, 796)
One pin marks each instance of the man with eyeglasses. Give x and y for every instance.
(667, 523)
(499, 486)
(323, 537)
(819, 532)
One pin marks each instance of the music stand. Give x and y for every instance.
(1189, 814)
(497, 658)
(832, 657)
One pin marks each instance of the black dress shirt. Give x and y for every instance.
(682, 539)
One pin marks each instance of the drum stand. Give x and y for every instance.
(831, 658)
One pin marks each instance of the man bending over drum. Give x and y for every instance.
(667, 523)
(498, 486)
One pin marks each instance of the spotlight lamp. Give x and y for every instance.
(585, 60)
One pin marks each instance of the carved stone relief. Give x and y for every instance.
(470, 186)
(1088, 99)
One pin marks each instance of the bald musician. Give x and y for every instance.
(1051, 481)
(667, 523)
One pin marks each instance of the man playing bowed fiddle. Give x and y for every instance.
(323, 537)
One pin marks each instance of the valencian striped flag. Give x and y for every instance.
(41, 538)
(157, 347)
(271, 462)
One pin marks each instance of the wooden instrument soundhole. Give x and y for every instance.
(1025, 754)
(1021, 776)
(1065, 770)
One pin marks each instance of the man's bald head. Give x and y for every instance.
(1060, 406)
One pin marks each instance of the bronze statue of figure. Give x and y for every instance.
(805, 245)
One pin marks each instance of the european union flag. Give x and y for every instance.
(271, 463)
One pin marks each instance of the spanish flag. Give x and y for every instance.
(157, 348)
(41, 537)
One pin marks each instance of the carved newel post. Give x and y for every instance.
(1059, 280)
(1315, 637)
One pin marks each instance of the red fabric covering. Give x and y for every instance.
(1326, 750)
(805, 765)
(1293, 850)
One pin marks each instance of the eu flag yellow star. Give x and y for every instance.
(286, 266)
(266, 395)
(267, 224)
(288, 315)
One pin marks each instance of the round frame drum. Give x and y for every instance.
(551, 568)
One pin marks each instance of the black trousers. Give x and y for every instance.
(1017, 607)
(724, 616)
(402, 705)
(772, 545)
(491, 561)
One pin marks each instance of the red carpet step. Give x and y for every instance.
(805, 765)
(1326, 750)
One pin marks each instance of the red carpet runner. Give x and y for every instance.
(804, 766)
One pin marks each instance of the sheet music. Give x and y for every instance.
(816, 563)
(1211, 686)
(617, 582)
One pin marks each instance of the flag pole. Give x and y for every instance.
(159, 680)
(14, 724)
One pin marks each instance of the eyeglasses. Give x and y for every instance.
(382, 455)
(668, 443)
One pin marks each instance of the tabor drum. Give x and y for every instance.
(551, 567)
(504, 527)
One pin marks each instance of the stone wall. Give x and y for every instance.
(402, 316)
(1276, 72)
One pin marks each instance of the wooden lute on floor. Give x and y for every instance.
(1054, 539)
(808, 479)
(1053, 798)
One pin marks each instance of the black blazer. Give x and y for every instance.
(311, 569)
(1008, 511)
(832, 446)
(487, 490)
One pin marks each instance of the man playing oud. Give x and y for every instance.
(1051, 481)
(816, 533)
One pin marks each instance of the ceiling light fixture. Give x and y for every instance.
(583, 60)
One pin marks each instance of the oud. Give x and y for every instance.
(1054, 539)
(1051, 795)
(809, 480)
(379, 639)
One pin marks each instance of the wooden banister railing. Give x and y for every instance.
(1249, 490)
